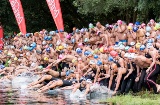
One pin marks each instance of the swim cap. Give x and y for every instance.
(60, 47)
(149, 45)
(99, 62)
(61, 30)
(101, 49)
(40, 67)
(52, 33)
(86, 40)
(119, 21)
(107, 25)
(113, 53)
(86, 30)
(77, 31)
(137, 23)
(80, 44)
(105, 49)
(148, 28)
(46, 38)
(130, 24)
(44, 42)
(126, 48)
(126, 55)
(48, 49)
(150, 41)
(15, 58)
(122, 47)
(138, 45)
(28, 34)
(86, 53)
(135, 29)
(132, 43)
(110, 48)
(82, 30)
(79, 59)
(92, 62)
(2, 66)
(74, 60)
(142, 47)
(129, 27)
(49, 37)
(68, 36)
(147, 34)
(130, 50)
(91, 25)
(60, 56)
(110, 58)
(95, 56)
(96, 51)
(158, 37)
(157, 26)
(46, 58)
(98, 32)
(73, 41)
(78, 50)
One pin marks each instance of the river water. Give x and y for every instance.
(15, 92)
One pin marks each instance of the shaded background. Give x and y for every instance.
(79, 13)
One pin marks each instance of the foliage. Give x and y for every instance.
(79, 13)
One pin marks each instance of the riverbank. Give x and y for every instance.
(142, 98)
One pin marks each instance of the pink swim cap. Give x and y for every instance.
(60, 56)
(113, 53)
(41, 32)
(119, 21)
(68, 36)
(130, 24)
(80, 44)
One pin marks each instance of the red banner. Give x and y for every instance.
(55, 9)
(1, 37)
(18, 12)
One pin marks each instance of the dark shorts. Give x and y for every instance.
(66, 83)
(47, 81)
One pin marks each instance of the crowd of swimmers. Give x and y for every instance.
(123, 57)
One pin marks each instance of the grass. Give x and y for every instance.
(138, 99)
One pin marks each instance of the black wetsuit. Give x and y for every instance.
(128, 82)
(67, 83)
(92, 75)
(151, 77)
(105, 81)
(82, 88)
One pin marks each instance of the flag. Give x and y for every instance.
(55, 9)
(19, 15)
(1, 37)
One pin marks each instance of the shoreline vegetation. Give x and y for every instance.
(141, 98)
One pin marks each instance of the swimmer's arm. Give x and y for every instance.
(118, 81)
(88, 71)
(133, 35)
(121, 63)
(153, 62)
(96, 77)
(75, 87)
(87, 89)
(121, 29)
(130, 70)
(85, 68)
(110, 80)
(67, 88)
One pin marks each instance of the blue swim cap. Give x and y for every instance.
(2, 66)
(73, 41)
(0, 51)
(61, 30)
(137, 23)
(110, 58)
(158, 37)
(142, 47)
(45, 37)
(95, 56)
(49, 37)
(50, 45)
(150, 41)
(56, 31)
(52, 33)
(48, 49)
(78, 50)
(126, 48)
(86, 53)
(135, 29)
(99, 62)
(77, 31)
(28, 34)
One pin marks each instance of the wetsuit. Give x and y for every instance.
(82, 88)
(105, 81)
(67, 83)
(128, 82)
(151, 77)
(92, 75)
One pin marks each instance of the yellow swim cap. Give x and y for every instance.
(60, 47)
(46, 58)
(74, 60)
(95, 51)
(138, 45)
(129, 28)
(101, 49)
(15, 58)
